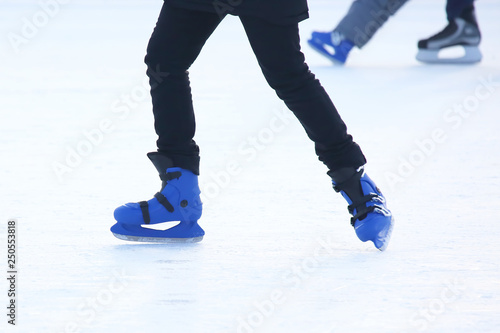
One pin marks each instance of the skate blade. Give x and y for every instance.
(184, 232)
(470, 55)
(158, 239)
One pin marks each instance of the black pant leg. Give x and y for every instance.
(454, 8)
(277, 49)
(176, 42)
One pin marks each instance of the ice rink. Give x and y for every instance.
(279, 253)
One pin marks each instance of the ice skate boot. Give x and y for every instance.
(371, 219)
(178, 200)
(461, 31)
(332, 45)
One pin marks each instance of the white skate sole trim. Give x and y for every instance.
(470, 55)
(157, 239)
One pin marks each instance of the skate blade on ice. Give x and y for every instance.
(158, 239)
(472, 55)
(184, 232)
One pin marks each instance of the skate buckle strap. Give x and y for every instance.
(341, 186)
(360, 202)
(164, 202)
(145, 211)
(362, 214)
(144, 205)
(170, 175)
(361, 208)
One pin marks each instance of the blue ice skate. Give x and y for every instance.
(372, 220)
(178, 200)
(332, 45)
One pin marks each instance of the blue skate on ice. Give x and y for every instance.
(372, 220)
(177, 201)
(332, 45)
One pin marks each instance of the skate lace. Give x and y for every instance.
(144, 205)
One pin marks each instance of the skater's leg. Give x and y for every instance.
(177, 40)
(277, 49)
(278, 52)
(365, 17)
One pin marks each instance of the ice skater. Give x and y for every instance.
(271, 27)
(365, 17)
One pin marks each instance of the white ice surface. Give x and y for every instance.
(279, 254)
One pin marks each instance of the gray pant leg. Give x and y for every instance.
(365, 17)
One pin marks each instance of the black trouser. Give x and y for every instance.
(176, 42)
